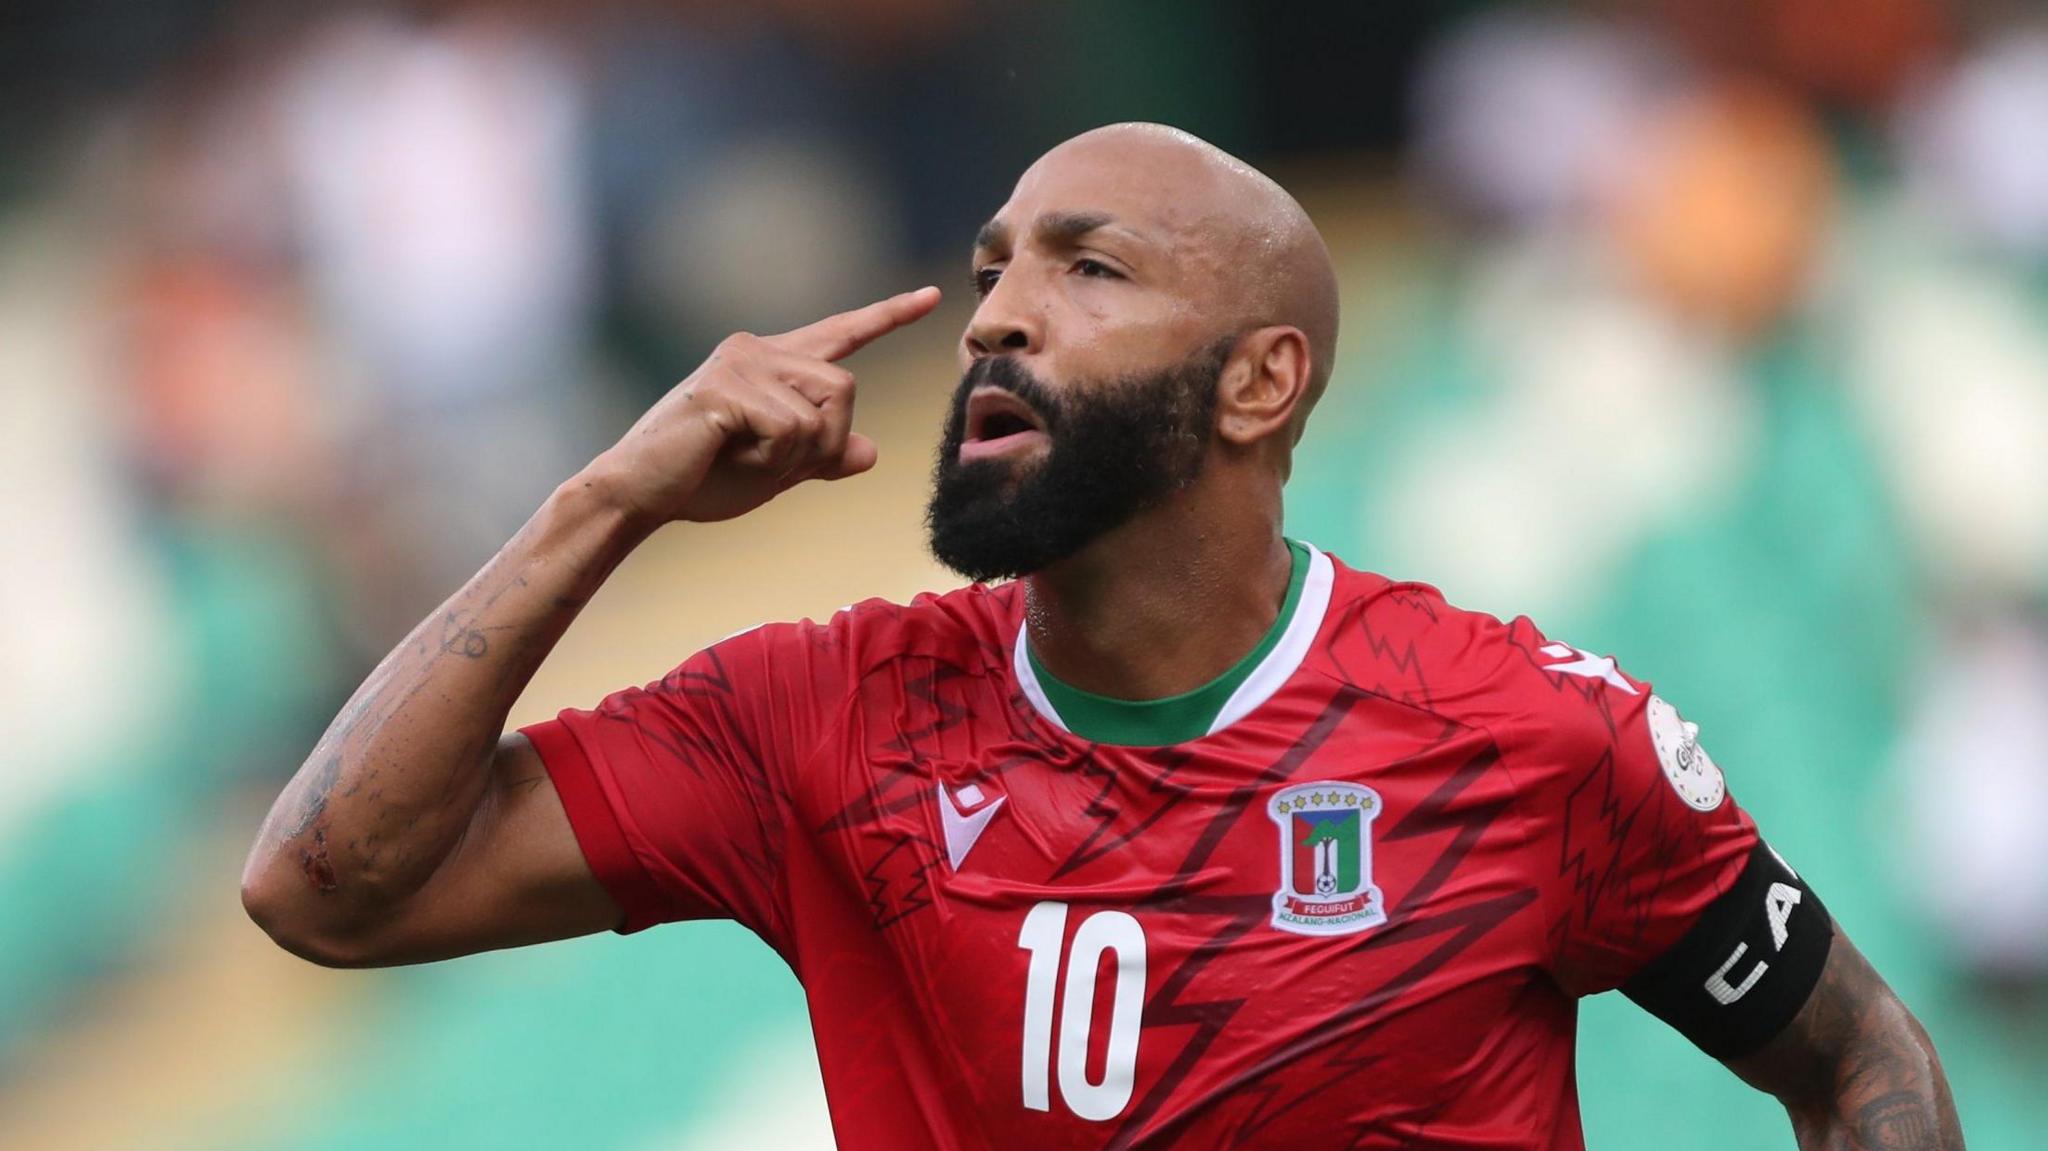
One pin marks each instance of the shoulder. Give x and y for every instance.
(1406, 641)
(972, 625)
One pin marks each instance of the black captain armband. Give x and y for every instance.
(1745, 969)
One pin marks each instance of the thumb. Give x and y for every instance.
(859, 456)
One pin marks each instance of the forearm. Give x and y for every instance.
(392, 786)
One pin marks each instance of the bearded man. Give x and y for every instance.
(1190, 835)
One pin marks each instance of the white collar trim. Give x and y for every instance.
(1281, 663)
(1267, 678)
(1027, 678)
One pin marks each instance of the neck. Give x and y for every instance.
(1161, 605)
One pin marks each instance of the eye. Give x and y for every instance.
(1096, 269)
(984, 280)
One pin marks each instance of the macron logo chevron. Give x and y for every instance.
(1585, 663)
(963, 829)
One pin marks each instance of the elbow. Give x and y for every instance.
(284, 906)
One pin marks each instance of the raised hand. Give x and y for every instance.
(763, 414)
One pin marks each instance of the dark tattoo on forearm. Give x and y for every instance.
(461, 637)
(354, 753)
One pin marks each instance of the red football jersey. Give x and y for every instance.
(1356, 914)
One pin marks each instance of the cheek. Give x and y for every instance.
(1097, 350)
(1113, 320)
(1142, 317)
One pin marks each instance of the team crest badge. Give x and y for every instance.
(1326, 883)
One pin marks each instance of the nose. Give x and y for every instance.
(1005, 321)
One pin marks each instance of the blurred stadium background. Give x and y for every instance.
(1712, 334)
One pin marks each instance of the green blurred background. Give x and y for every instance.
(1711, 334)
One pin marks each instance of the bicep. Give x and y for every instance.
(1850, 1015)
(1747, 965)
(1810, 1044)
(517, 876)
(1854, 1068)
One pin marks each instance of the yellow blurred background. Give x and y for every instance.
(1713, 335)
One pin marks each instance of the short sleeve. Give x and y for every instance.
(1640, 832)
(678, 791)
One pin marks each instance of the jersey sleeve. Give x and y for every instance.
(678, 791)
(1639, 833)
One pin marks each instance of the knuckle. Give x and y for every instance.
(704, 389)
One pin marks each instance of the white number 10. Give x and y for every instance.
(1045, 928)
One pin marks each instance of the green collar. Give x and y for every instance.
(1177, 718)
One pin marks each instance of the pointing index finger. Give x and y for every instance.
(836, 337)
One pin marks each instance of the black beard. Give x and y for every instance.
(1117, 449)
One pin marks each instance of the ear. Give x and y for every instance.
(1266, 381)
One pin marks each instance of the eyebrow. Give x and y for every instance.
(1060, 229)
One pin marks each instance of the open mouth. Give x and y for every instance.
(998, 423)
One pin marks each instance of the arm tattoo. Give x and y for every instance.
(1854, 1068)
(313, 799)
(1896, 1121)
(411, 765)
(359, 725)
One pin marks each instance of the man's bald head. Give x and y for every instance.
(1156, 320)
(1271, 265)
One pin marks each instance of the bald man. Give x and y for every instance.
(1188, 836)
